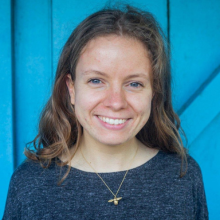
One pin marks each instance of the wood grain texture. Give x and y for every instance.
(202, 111)
(206, 150)
(32, 67)
(194, 35)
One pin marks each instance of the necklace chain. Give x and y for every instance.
(115, 195)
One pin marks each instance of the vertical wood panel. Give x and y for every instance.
(202, 111)
(6, 108)
(194, 34)
(32, 67)
(206, 150)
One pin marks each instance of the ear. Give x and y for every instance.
(70, 86)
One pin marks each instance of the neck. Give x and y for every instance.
(105, 158)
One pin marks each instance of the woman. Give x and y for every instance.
(110, 118)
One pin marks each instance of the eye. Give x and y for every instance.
(136, 84)
(95, 81)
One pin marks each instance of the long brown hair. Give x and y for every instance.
(59, 128)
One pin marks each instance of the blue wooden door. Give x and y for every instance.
(31, 38)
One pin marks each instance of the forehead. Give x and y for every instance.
(112, 41)
(114, 54)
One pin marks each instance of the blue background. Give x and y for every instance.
(31, 38)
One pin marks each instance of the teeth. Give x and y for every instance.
(112, 121)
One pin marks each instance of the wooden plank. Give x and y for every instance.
(32, 67)
(6, 108)
(76, 11)
(194, 35)
(206, 150)
(202, 110)
(201, 121)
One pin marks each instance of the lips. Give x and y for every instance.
(114, 126)
(112, 121)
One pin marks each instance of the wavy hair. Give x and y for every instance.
(59, 128)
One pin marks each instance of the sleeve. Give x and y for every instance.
(12, 210)
(200, 204)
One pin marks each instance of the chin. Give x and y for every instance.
(112, 141)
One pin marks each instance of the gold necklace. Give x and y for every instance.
(115, 200)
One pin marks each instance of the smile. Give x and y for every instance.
(113, 121)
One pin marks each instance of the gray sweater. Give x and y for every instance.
(153, 190)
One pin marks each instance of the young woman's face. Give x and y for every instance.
(112, 91)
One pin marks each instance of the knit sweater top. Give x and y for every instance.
(153, 190)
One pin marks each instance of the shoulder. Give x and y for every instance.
(26, 168)
(188, 188)
(193, 167)
(30, 183)
(31, 174)
(31, 179)
(25, 172)
(170, 162)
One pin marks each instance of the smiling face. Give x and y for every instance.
(112, 90)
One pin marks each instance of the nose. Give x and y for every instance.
(115, 99)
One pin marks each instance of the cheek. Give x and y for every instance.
(145, 115)
(142, 105)
(143, 109)
(85, 102)
(146, 112)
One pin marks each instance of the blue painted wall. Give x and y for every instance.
(6, 101)
(31, 38)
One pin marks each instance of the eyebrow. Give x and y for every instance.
(94, 71)
(104, 74)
